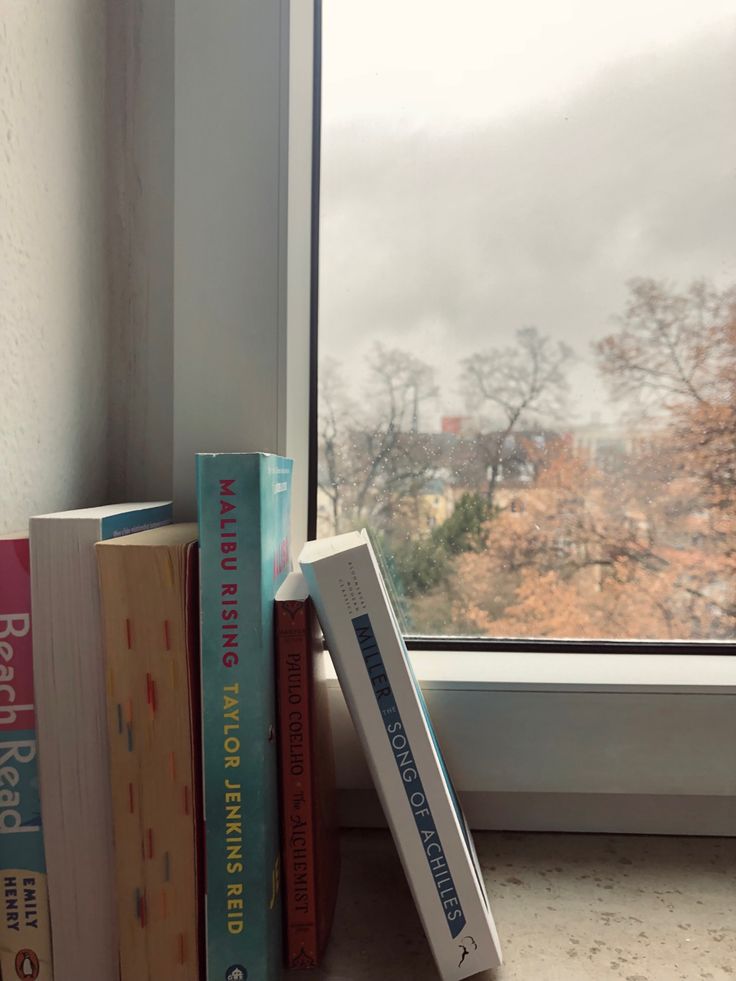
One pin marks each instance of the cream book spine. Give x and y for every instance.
(392, 722)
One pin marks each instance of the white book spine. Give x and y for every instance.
(71, 721)
(388, 712)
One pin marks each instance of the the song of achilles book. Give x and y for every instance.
(408, 770)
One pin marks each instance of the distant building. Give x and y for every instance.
(432, 506)
(605, 444)
(455, 425)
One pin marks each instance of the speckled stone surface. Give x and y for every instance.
(568, 908)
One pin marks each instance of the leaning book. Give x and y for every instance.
(391, 719)
(244, 519)
(25, 932)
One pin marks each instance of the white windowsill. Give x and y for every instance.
(499, 671)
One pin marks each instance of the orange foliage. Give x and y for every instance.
(646, 550)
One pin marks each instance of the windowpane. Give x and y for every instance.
(528, 311)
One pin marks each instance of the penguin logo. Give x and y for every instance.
(465, 944)
(236, 972)
(26, 964)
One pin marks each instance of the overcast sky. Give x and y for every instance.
(487, 166)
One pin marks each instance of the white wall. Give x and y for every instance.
(88, 248)
(53, 339)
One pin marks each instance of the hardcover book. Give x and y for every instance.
(148, 584)
(309, 830)
(244, 518)
(391, 719)
(25, 932)
(71, 712)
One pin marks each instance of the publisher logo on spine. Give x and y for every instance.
(26, 964)
(236, 972)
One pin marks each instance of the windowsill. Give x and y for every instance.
(676, 887)
(499, 671)
(571, 741)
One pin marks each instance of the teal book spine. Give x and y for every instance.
(244, 521)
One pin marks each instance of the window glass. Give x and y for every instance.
(527, 323)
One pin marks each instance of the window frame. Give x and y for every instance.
(262, 330)
(469, 644)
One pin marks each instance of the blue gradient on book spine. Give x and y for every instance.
(26, 852)
(409, 773)
(450, 785)
(130, 522)
(430, 728)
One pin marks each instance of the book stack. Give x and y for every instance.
(181, 822)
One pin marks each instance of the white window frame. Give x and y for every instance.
(556, 741)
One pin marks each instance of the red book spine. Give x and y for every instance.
(295, 706)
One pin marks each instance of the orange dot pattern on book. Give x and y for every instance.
(152, 772)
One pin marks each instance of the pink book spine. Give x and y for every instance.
(25, 932)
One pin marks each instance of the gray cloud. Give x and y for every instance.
(449, 241)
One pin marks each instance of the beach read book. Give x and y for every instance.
(391, 719)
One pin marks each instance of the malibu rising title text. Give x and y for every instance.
(230, 622)
(230, 641)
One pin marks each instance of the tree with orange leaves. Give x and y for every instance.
(647, 550)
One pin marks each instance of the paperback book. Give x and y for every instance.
(392, 722)
(25, 932)
(71, 712)
(309, 827)
(148, 583)
(244, 519)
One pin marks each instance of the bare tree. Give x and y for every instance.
(665, 348)
(334, 424)
(401, 383)
(372, 455)
(524, 379)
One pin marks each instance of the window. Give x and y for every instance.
(527, 321)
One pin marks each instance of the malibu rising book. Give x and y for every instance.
(391, 719)
(25, 932)
(244, 518)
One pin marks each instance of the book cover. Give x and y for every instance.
(149, 593)
(71, 711)
(392, 722)
(25, 932)
(309, 828)
(244, 520)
